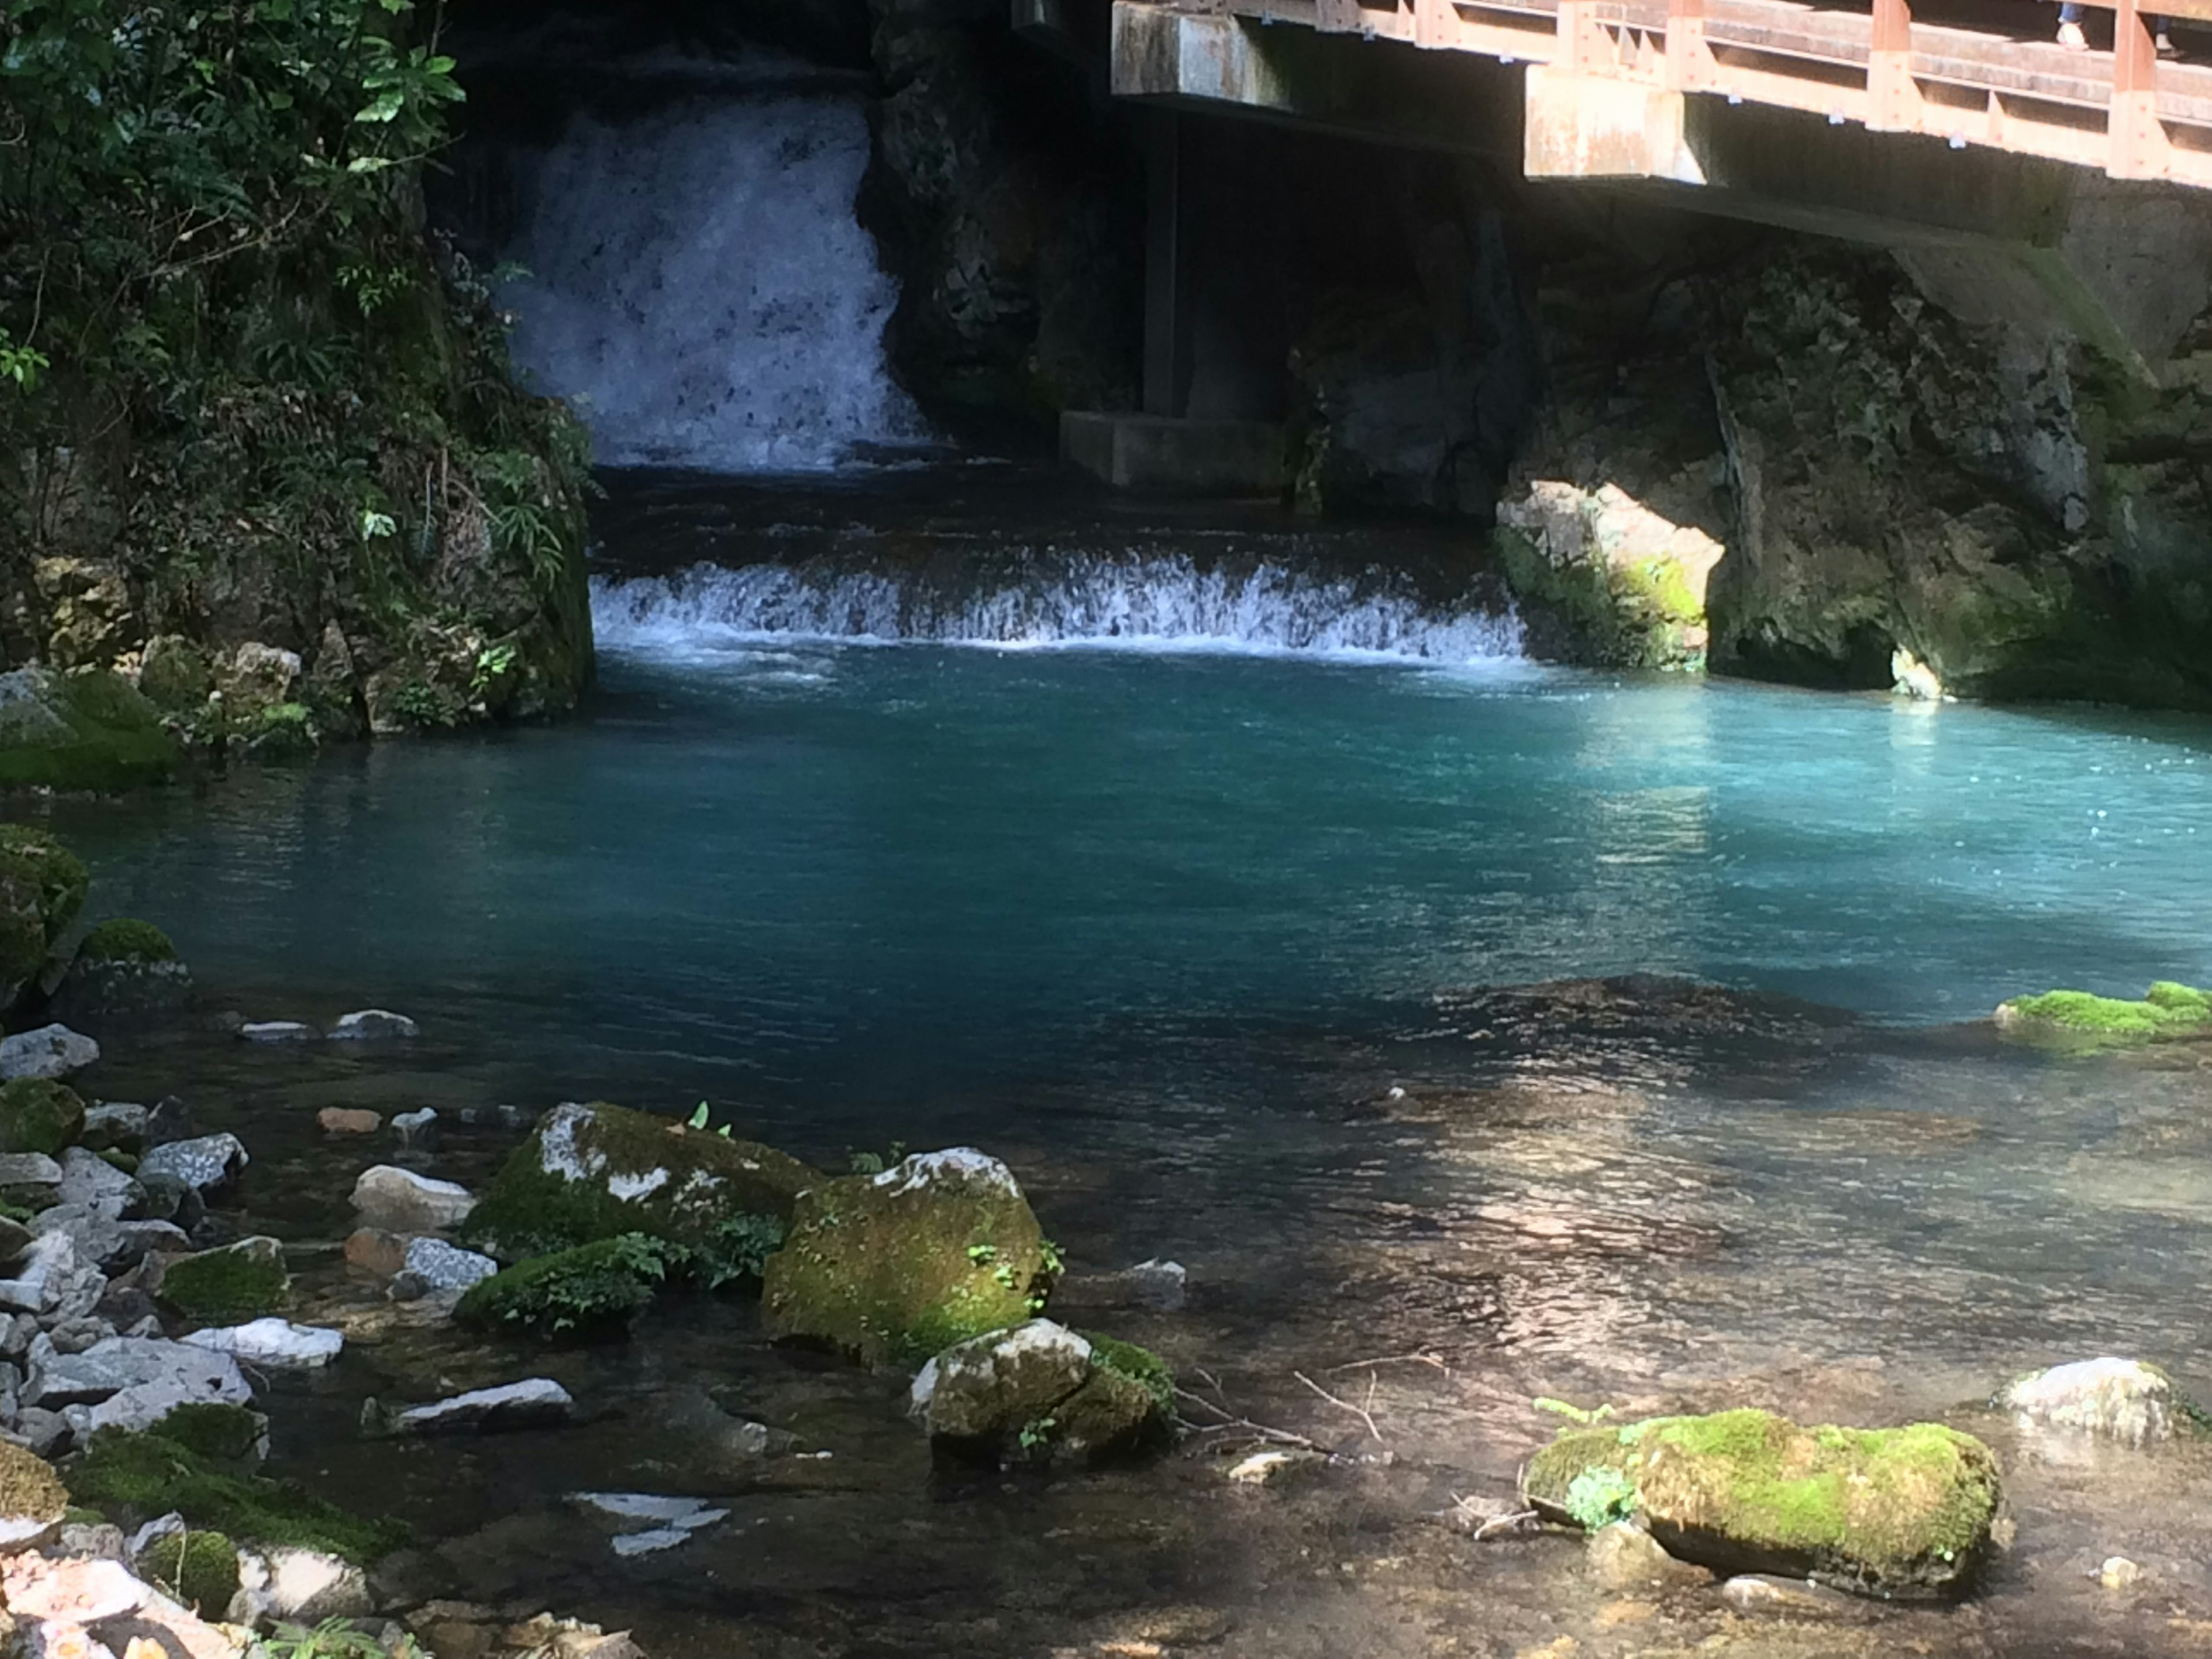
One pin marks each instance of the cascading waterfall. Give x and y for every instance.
(698, 285)
(1154, 599)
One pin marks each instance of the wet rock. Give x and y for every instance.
(375, 1250)
(1625, 1557)
(42, 887)
(1762, 1595)
(537, 1403)
(1041, 1393)
(1274, 1465)
(432, 1266)
(898, 1265)
(114, 1125)
(278, 1030)
(301, 1587)
(2121, 1400)
(418, 1131)
(170, 1120)
(123, 967)
(348, 1121)
(588, 1173)
(674, 1519)
(1626, 584)
(401, 1201)
(235, 1282)
(167, 1198)
(208, 1164)
(2081, 1019)
(52, 1051)
(1159, 1286)
(1903, 1513)
(271, 1342)
(369, 1025)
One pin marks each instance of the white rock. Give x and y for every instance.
(50, 1051)
(975, 1388)
(273, 1342)
(129, 1363)
(2118, 1573)
(401, 1201)
(417, 1130)
(75, 1592)
(303, 1587)
(365, 1024)
(48, 1269)
(159, 1528)
(278, 1030)
(689, 1513)
(959, 1166)
(88, 1178)
(205, 1163)
(1160, 1285)
(528, 1404)
(28, 1170)
(437, 1265)
(1264, 1468)
(645, 1543)
(2121, 1400)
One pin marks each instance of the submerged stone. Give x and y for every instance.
(899, 1266)
(594, 1172)
(2084, 1020)
(365, 1024)
(536, 1403)
(1902, 1512)
(2122, 1400)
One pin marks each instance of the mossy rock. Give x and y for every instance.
(136, 1477)
(2081, 1019)
(124, 939)
(593, 1290)
(89, 733)
(598, 1171)
(219, 1433)
(240, 1281)
(1040, 1393)
(1640, 605)
(199, 1569)
(42, 887)
(30, 1491)
(38, 1115)
(1901, 1513)
(898, 1266)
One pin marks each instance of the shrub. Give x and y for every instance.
(593, 1290)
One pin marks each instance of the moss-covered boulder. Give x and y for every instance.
(132, 1478)
(899, 1266)
(240, 1281)
(124, 939)
(38, 1115)
(199, 1569)
(591, 1290)
(1039, 1393)
(599, 1171)
(81, 732)
(1901, 1513)
(1605, 579)
(32, 1496)
(42, 887)
(121, 967)
(2081, 1019)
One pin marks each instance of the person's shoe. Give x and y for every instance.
(2071, 38)
(2165, 45)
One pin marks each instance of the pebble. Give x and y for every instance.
(367, 1023)
(272, 1342)
(1625, 1557)
(404, 1202)
(206, 1163)
(278, 1030)
(348, 1121)
(52, 1051)
(2118, 1573)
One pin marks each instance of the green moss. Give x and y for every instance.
(594, 1289)
(42, 887)
(240, 1281)
(29, 1487)
(199, 1569)
(218, 1432)
(1634, 613)
(725, 1200)
(898, 1267)
(109, 739)
(123, 940)
(2080, 1018)
(38, 1115)
(1138, 1365)
(1890, 1511)
(135, 1477)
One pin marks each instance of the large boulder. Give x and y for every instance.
(899, 1266)
(1042, 1393)
(2122, 1400)
(1902, 1513)
(42, 887)
(599, 1171)
(80, 732)
(52, 1051)
(123, 966)
(38, 1115)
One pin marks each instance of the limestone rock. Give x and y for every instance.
(2122, 1400)
(402, 1201)
(140, 1371)
(46, 1276)
(598, 1171)
(899, 1265)
(1041, 1393)
(1903, 1513)
(271, 1342)
(114, 1125)
(1761, 1595)
(302, 1587)
(1628, 584)
(435, 1266)
(536, 1403)
(418, 1131)
(207, 1164)
(348, 1121)
(278, 1030)
(1625, 1557)
(28, 1170)
(367, 1024)
(52, 1051)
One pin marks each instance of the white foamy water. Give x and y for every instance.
(1153, 602)
(699, 286)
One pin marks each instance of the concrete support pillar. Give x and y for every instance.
(1167, 266)
(1584, 126)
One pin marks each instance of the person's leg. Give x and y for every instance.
(2069, 29)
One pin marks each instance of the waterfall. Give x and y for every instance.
(698, 284)
(1150, 601)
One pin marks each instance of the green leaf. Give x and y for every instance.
(699, 1117)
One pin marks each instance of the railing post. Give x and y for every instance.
(1689, 61)
(2138, 139)
(1892, 96)
(1577, 53)
(1436, 23)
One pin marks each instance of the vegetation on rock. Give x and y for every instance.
(1901, 1512)
(2082, 1018)
(898, 1266)
(38, 1115)
(29, 1487)
(199, 1569)
(136, 1477)
(42, 887)
(590, 1290)
(219, 1433)
(83, 732)
(124, 939)
(240, 1281)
